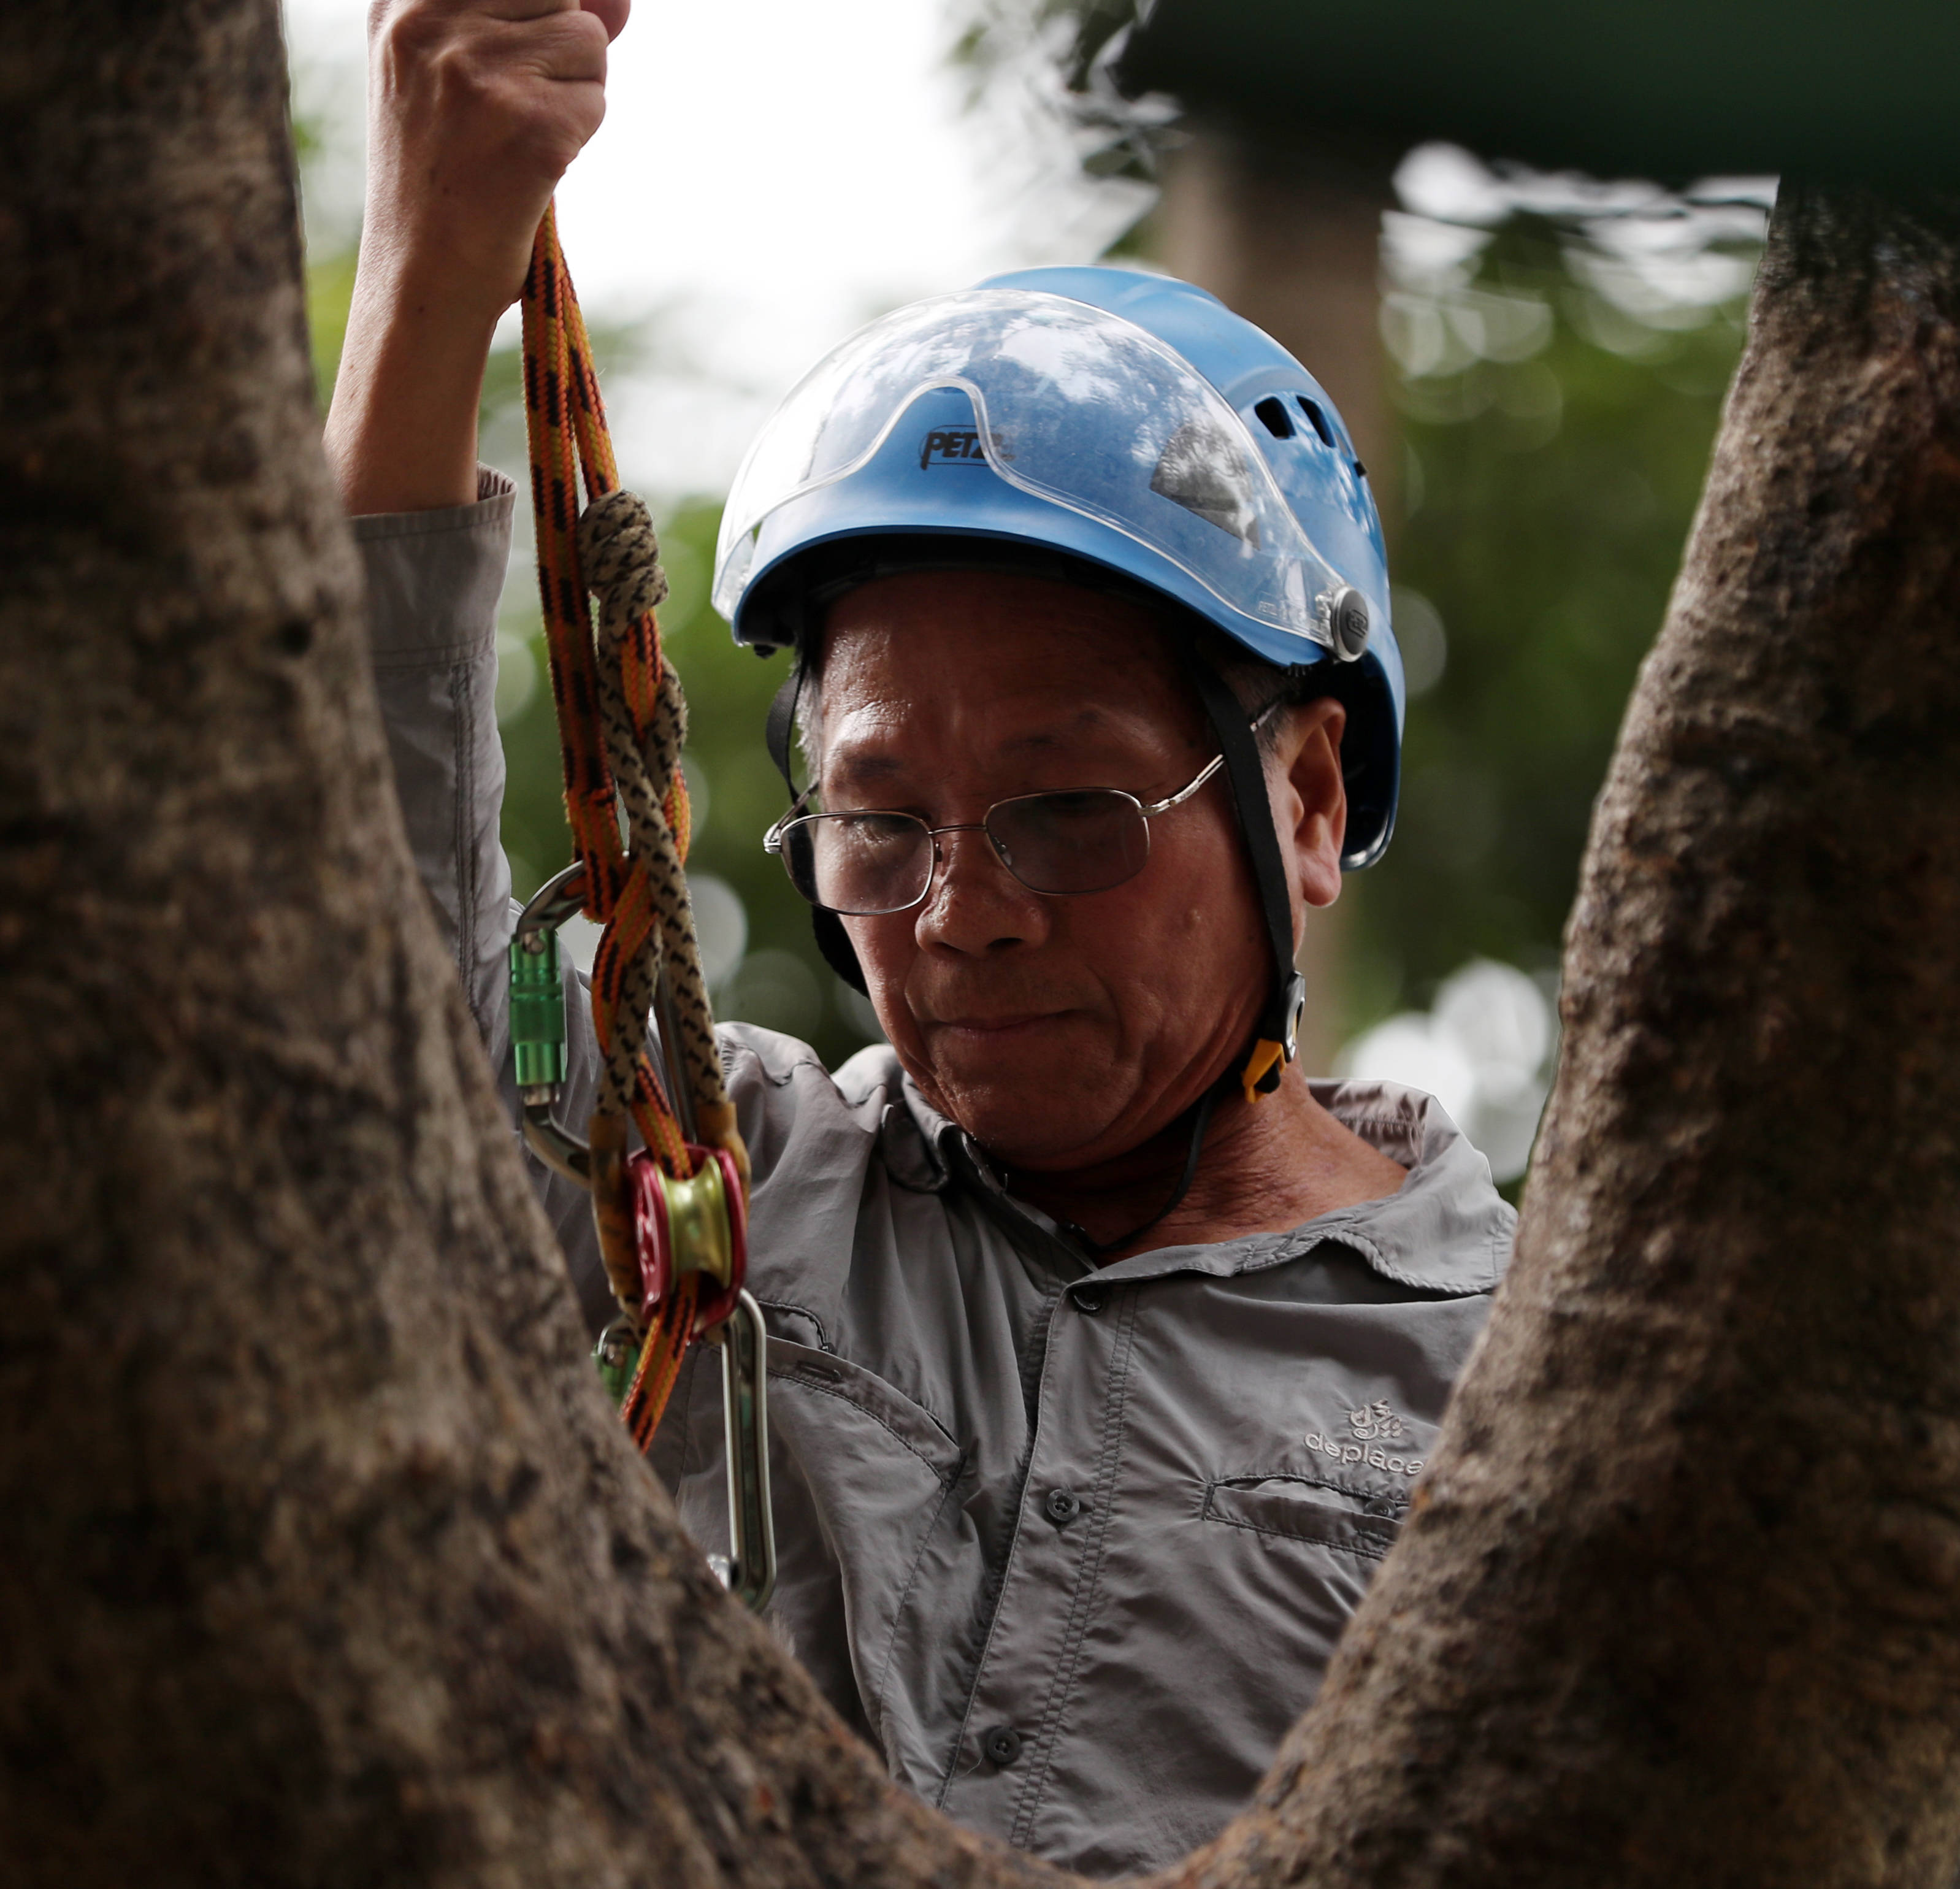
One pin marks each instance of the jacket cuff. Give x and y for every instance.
(434, 578)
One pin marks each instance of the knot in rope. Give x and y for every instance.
(620, 553)
(643, 720)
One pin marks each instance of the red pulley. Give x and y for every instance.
(696, 1225)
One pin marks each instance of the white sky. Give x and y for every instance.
(770, 174)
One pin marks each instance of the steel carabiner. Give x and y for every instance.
(745, 1404)
(674, 1225)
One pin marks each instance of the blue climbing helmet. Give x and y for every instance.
(1116, 427)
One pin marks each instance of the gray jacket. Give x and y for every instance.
(1070, 1547)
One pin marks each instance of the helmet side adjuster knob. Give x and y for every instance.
(1347, 622)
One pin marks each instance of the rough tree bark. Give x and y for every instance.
(325, 1562)
(1679, 1602)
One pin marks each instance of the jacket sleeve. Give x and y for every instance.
(434, 580)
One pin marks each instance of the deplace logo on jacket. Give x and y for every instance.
(1372, 1429)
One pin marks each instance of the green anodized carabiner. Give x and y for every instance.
(537, 1010)
(537, 1022)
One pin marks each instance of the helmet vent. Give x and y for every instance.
(1273, 417)
(1316, 418)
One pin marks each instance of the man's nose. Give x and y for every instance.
(975, 903)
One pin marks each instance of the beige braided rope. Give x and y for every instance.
(620, 551)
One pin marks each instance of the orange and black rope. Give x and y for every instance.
(616, 692)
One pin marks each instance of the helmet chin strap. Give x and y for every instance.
(1195, 1121)
(1276, 1036)
(778, 731)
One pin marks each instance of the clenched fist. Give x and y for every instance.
(475, 108)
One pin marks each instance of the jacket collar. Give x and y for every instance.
(1446, 1229)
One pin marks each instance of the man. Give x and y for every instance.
(1105, 1348)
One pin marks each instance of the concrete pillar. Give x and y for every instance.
(1292, 241)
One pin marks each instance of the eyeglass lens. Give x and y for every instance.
(864, 863)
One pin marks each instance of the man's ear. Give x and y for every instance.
(1310, 798)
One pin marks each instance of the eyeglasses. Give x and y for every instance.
(865, 864)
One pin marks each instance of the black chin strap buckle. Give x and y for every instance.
(1278, 1042)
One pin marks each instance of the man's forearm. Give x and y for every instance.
(401, 435)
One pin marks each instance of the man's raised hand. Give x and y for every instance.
(475, 108)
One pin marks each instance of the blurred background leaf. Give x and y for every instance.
(1553, 445)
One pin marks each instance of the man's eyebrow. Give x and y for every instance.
(872, 765)
(1091, 727)
(868, 767)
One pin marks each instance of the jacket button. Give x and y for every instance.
(1002, 1745)
(1090, 1299)
(1062, 1506)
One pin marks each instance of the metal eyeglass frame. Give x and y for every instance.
(772, 840)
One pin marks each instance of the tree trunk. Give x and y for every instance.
(1678, 1603)
(325, 1561)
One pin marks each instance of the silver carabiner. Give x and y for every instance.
(751, 1575)
(538, 1038)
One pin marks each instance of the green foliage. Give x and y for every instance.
(1047, 63)
(1078, 32)
(1548, 498)
(329, 291)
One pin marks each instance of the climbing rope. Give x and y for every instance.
(623, 720)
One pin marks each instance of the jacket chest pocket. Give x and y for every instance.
(862, 1476)
(1294, 1508)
